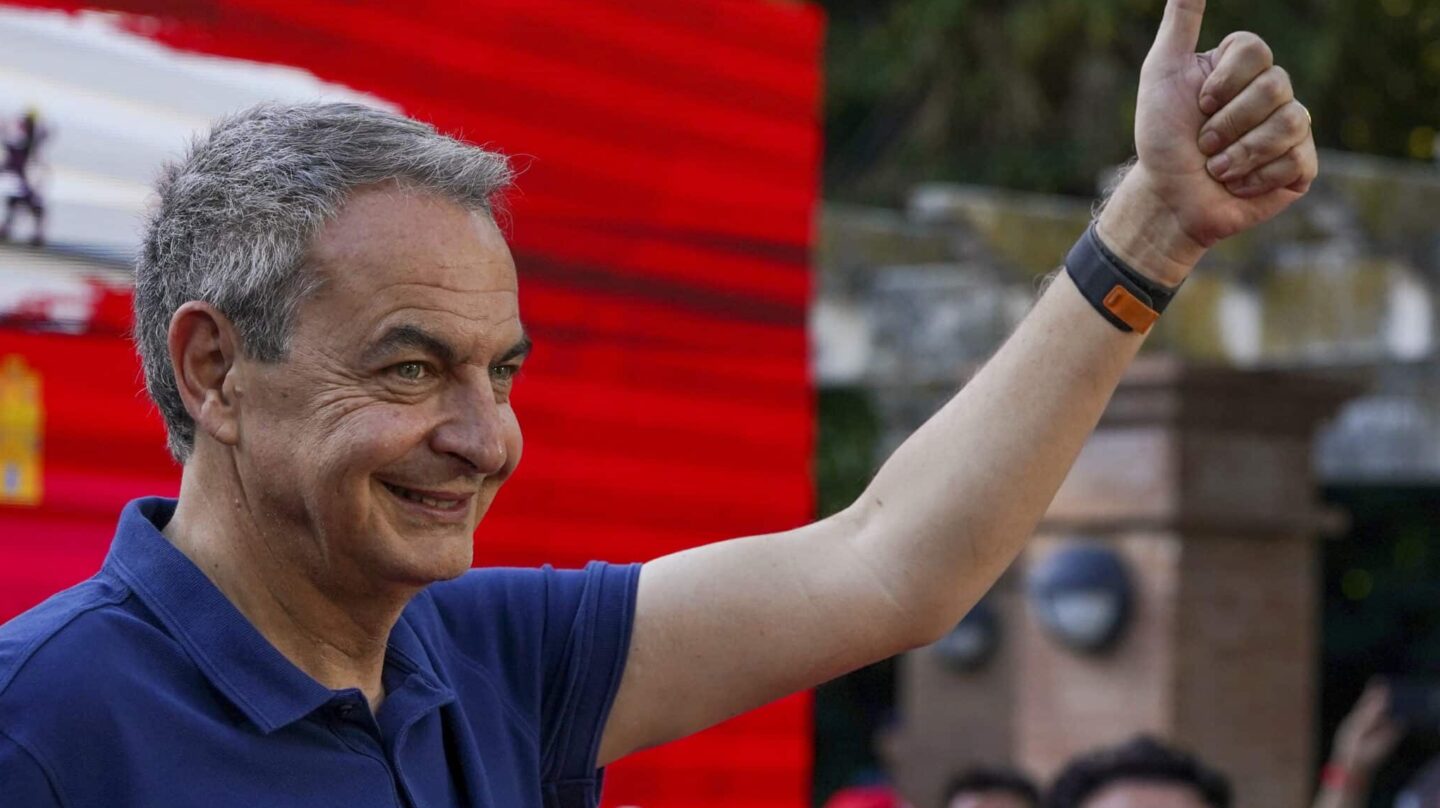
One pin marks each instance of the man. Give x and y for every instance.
(329, 323)
(992, 788)
(1143, 773)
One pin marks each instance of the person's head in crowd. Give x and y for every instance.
(992, 788)
(1141, 773)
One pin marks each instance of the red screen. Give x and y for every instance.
(662, 230)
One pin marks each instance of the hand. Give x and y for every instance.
(1367, 735)
(1222, 145)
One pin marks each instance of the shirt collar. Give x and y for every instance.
(268, 688)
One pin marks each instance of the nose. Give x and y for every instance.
(474, 428)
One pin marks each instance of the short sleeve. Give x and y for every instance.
(554, 643)
(22, 780)
(589, 617)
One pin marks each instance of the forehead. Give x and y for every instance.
(988, 799)
(1146, 795)
(393, 251)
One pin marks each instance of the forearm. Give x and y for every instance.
(950, 510)
(1347, 791)
(1340, 798)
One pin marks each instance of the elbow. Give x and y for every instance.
(933, 626)
(921, 604)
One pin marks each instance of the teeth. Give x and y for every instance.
(423, 500)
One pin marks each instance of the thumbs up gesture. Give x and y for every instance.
(1222, 145)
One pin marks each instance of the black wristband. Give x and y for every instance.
(1129, 300)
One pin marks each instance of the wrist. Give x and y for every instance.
(1141, 230)
(1338, 776)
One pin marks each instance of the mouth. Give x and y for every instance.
(446, 506)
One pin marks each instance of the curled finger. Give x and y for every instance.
(1237, 61)
(1292, 171)
(1286, 128)
(1269, 91)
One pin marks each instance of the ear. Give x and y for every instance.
(203, 351)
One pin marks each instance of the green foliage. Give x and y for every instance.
(1039, 94)
(845, 449)
(1379, 587)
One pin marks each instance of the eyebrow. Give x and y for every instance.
(412, 336)
(519, 350)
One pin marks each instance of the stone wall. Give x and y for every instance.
(1346, 282)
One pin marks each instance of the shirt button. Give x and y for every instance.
(345, 710)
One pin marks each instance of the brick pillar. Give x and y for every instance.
(951, 720)
(1201, 480)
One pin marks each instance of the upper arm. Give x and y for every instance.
(23, 780)
(726, 627)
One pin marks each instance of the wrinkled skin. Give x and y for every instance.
(322, 433)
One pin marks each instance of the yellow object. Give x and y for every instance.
(22, 420)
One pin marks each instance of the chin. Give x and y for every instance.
(431, 558)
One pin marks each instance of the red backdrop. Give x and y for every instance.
(662, 235)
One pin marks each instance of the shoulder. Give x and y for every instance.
(52, 626)
(91, 675)
(75, 653)
(493, 615)
(62, 665)
(512, 604)
(522, 622)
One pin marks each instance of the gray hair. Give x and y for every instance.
(236, 217)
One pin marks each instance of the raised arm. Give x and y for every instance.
(729, 626)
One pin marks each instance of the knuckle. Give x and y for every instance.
(1276, 87)
(1253, 46)
(1294, 121)
(1240, 154)
(1223, 124)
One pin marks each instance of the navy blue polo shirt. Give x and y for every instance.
(144, 686)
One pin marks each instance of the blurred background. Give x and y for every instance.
(760, 241)
(965, 142)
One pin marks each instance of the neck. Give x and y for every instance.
(273, 572)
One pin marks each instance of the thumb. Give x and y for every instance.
(1179, 30)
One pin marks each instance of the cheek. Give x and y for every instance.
(369, 438)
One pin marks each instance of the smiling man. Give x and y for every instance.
(329, 323)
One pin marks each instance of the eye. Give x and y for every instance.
(505, 373)
(411, 371)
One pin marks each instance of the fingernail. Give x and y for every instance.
(1218, 165)
(1210, 142)
(1208, 104)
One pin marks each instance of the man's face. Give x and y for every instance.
(387, 431)
(988, 799)
(1146, 795)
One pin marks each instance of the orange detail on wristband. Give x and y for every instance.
(1130, 309)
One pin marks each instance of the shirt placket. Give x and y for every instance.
(351, 720)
